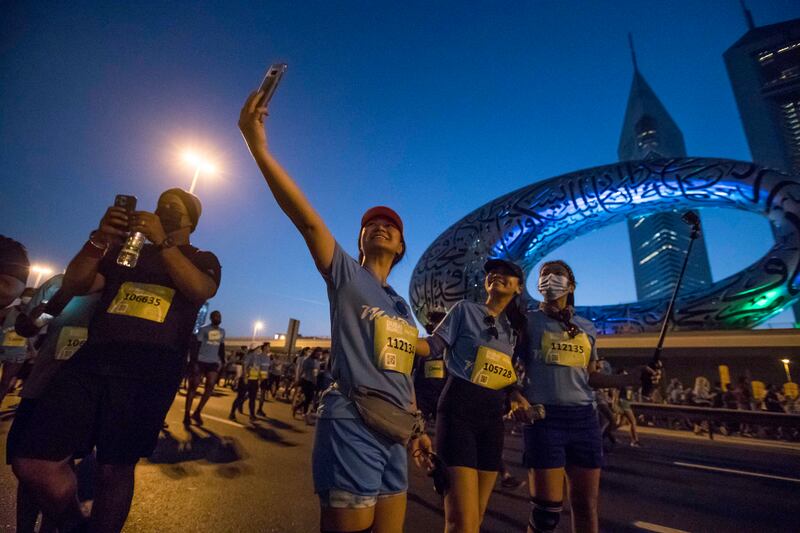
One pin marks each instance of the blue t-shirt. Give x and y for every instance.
(357, 302)
(210, 337)
(310, 369)
(64, 335)
(556, 366)
(256, 365)
(464, 331)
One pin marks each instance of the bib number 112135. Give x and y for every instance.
(395, 344)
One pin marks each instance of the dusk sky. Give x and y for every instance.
(433, 108)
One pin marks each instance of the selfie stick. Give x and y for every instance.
(690, 218)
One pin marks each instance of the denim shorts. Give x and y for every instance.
(567, 436)
(352, 466)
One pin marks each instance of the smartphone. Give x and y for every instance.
(270, 82)
(127, 202)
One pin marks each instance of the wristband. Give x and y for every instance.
(98, 246)
(92, 250)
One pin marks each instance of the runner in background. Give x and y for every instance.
(430, 374)
(14, 348)
(263, 377)
(210, 359)
(14, 270)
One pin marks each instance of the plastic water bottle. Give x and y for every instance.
(129, 255)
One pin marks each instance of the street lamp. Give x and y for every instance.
(786, 368)
(257, 326)
(199, 163)
(40, 270)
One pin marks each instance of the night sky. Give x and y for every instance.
(433, 108)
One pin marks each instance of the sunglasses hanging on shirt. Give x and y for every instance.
(401, 308)
(491, 326)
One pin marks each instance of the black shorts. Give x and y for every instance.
(469, 426)
(22, 418)
(121, 416)
(264, 384)
(201, 367)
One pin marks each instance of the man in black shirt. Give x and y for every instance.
(115, 391)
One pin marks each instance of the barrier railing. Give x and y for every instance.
(718, 416)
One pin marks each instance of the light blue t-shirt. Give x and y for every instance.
(256, 360)
(357, 300)
(64, 335)
(310, 369)
(210, 337)
(556, 365)
(464, 330)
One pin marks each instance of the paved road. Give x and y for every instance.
(256, 477)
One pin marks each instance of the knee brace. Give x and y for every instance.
(544, 515)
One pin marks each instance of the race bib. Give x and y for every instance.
(395, 344)
(434, 369)
(560, 349)
(70, 339)
(142, 300)
(252, 373)
(214, 336)
(262, 374)
(11, 339)
(493, 369)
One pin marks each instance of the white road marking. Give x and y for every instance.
(647, 526)
(733, 471)
(224, 421)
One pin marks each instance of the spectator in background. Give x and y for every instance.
(675, 393)
(14, 270)
(773, 401)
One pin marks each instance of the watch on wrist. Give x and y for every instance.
(166, 243)
(93, 242)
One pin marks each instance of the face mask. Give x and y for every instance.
(170, 219)
(553, 286)
(25, 300)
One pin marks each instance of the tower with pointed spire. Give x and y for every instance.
(764, 69)
(658, 241)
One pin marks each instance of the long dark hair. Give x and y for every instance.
(515, 314)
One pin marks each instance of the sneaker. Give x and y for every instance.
(197, 418)
(636, 444)
(232, 416)
(261, 413)
(510, 482)
(186, 420)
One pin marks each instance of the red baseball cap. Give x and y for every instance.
(382, 211)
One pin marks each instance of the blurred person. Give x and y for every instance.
(252, 366)
(210, 359)
(14, 270)
(114, 392)
(701, 397)
(263, 377)
(430, 373)
(275, 373)
(308, 382)
(59, 339)
(14, 348)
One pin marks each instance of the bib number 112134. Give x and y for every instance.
(395, 344)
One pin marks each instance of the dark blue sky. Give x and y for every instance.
(431, 107)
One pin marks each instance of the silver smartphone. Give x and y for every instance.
(270, 82)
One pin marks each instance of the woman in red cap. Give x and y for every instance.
(360, 472)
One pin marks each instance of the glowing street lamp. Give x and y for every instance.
(257, 326)
(786, 368)
(199, 163)
(40, 270)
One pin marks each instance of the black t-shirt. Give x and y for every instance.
(142, 311)
(13, 259)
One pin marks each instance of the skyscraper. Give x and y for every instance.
(658, 241)
(764, 69)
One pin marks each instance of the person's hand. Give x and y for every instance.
(421, 449)
(251, 121)
(113, 227)
(649, 374)
(520, 411)
(149, 225)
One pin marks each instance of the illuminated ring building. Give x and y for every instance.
(527, 224)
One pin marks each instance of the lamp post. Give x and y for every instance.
(40, 271)
(786, 368)
(200, 164)
(257, 326)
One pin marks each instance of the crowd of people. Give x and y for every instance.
(112, 339)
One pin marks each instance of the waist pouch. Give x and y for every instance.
(383, 416)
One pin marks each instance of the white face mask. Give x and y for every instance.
(25, 300)
(553, 286)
